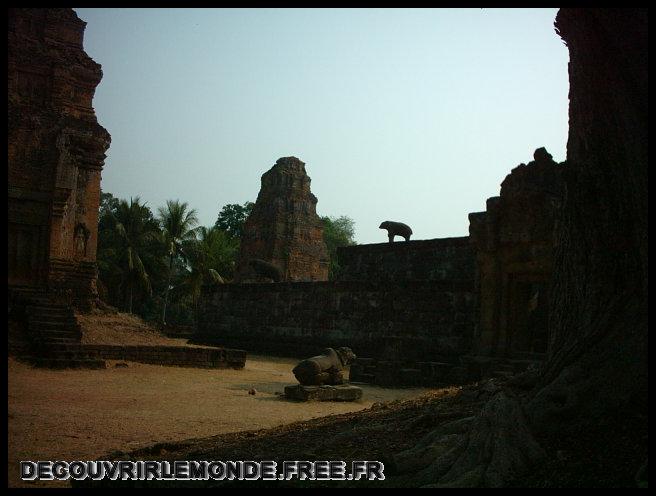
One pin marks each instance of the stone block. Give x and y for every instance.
(411, 377)
(323, 393)
(435, 371)
(386, 374)
(458, 375)
(355, 371)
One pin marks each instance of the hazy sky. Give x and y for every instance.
(410, 115)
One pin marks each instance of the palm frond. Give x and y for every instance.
(215, 277)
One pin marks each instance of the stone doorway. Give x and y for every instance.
(528, 313)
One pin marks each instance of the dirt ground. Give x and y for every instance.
(122, 328)
(86, 414)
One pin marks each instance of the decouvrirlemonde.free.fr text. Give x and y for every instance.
(202, 470)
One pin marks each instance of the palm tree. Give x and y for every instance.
(136, 232)
(219, 250)
(179, 227)
(210, 258)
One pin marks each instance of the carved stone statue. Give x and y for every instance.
(81, 238)
(396, 229)
(266, 269)
(324, 369)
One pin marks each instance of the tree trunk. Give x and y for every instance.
(598, 325)
(166, 291)
(597, 363)
(130, 298)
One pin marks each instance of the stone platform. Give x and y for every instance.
(323, 393)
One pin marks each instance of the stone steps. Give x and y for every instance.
(54, 329)
(53, 323)
(40, 339)
(54, 334)
(47, 306)
(62, 319)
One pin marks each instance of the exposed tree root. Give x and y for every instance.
(435, 445)
(487, 450)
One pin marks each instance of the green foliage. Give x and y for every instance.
(156, 266)
(130, 250)
(232, 218)
(107, 204)
(178, 224)
(337, 231)
(211, 260)
(150, 265)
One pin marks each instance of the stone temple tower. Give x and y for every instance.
(284, 228)
(56, 152)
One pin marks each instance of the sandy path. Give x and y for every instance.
(85, 414)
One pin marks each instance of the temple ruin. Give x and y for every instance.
(56, 151)
(514, 240)
(424, 312)
(284, 228)
(417, 312)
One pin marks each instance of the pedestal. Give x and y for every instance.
(323, 393)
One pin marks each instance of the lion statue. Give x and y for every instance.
(324, 369)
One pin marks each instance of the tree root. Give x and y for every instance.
(432, 446)
(488, 450)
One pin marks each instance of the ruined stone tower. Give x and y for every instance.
(514, 242)
(284, 228)
(56, 150)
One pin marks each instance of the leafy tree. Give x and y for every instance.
(210, 260)
(129, 239)
(108, 204)
(232, 218)
(337, 231)
(178, 227)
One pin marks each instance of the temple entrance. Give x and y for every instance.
(528, 313)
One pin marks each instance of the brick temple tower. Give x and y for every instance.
(284, 228)
(56, 151)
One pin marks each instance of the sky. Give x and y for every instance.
(410, 115)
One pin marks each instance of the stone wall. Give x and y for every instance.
(181, 356)
(413, 319)
(412, 302)
(447, 259)
(56, 150)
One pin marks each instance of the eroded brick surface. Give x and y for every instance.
(56, 150)
(284, 228)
